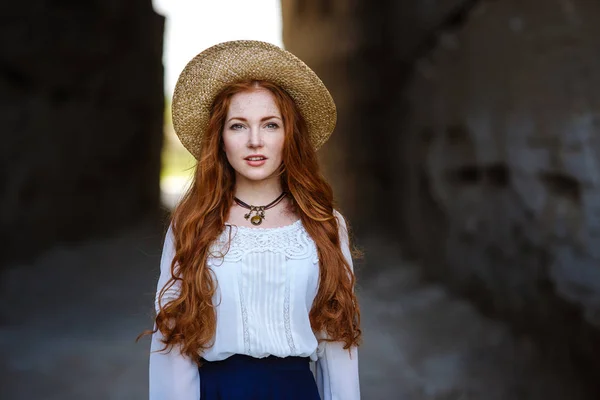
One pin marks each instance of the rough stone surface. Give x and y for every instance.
(469, 130)
(81, 113)
(327, 36)
(502, 147)
(363, 52)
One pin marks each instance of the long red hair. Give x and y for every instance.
(198, 220)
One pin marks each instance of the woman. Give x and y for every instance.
(256, 274)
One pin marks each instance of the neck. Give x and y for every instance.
(258, 193)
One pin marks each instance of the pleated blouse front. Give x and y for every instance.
(268, 278)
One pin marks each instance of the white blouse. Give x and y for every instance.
(267, 282)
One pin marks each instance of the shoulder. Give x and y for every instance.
(341, 222)
(344, 235)
(340, 217)
(169, 236)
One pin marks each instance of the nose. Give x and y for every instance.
(255, 138)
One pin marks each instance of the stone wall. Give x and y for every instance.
(470, 130)
(81, 113)
(327, 36)
(502, 150)
(363, 52)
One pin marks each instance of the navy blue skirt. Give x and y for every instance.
(271, 378)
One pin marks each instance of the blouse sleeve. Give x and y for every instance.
(173, 376)
(336, 368)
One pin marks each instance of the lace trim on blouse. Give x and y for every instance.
(291, 240)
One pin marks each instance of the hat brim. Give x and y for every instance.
(211, 71)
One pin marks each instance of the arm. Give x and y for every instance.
(336, 368)
(173, 376)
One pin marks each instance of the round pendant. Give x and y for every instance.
(256, 220)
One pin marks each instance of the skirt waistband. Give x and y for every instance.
(271, 362)
(241, 377)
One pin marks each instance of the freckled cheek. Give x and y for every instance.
(233, 148)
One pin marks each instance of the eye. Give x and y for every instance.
(272, 125)
(236, 127)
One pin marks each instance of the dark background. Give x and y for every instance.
(465, 157)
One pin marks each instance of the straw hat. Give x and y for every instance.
(212, 70)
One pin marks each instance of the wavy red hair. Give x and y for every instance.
(190, 320)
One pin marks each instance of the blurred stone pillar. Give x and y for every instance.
(326, 35)
(81, 114)
(502, 166)
(363, 51)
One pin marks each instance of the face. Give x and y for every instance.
(253, 127)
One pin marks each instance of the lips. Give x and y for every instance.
(256, 157)
(256, 160)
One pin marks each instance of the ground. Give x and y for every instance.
(69, 322)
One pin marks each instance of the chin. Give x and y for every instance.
(257, 175)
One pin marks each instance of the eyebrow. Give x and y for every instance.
(262, 119)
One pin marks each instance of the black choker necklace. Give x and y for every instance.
(260, 210)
